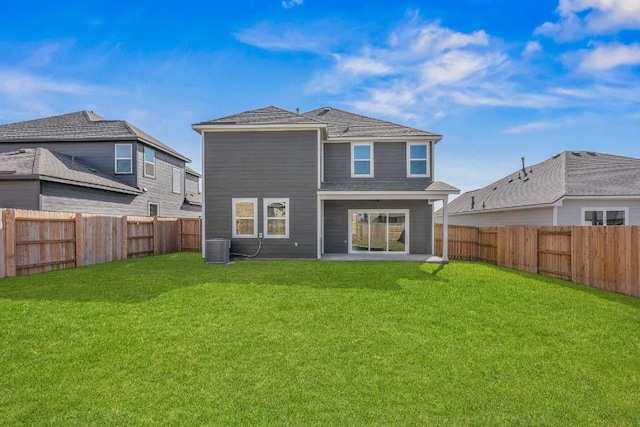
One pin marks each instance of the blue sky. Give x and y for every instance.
(500, 79)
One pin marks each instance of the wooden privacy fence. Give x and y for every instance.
(35, 241)
(602, 257)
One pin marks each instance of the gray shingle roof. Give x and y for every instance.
(46, 165)
(81, 126)
(357, 185)
(566, 174)
(339, 123)
(263, 116)
(342, 124)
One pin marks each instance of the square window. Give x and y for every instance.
(149, 163)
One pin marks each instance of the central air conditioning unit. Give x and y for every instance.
(216, 251)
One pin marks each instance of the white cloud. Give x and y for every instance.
(288, 4)
(531, 127)
(288, 37)
(455, 66)
(579, 18)
(362, 65)
(19, 84)
(607, 57)
(532, 48)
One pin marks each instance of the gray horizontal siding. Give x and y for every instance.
(263, 165)
(101, 155)
(390, 163)
(534, 216)
(20, 194)
(337, 222)
(570, 213)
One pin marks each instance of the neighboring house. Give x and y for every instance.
(80, 162)
(571, 188)
(323, 182)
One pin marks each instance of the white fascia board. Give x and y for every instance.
(261, 127)
(516, 208)
(613, 197)
(380, 195)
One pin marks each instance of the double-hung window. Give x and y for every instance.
(245, 218)
(276, 218)
(124, 158)
(362, 160)
(417, 159)
(149, 162)
(597, 216)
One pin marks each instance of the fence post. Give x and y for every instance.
(3, 252)
(10, 241)
(79, 240)
(124, 242)
(156, 236)
(179, 234)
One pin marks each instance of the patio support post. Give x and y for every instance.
(445, 230)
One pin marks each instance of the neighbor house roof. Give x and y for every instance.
(342, 124)
(339, 124)
(571, 173)
(81, 126)
(46, 165)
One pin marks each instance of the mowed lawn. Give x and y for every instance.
(170, 340)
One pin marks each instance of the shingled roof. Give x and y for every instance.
(571, 173)
(339, 124)
(46, 165)
(343, 124)
(81, 126)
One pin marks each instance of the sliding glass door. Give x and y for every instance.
(378, 231)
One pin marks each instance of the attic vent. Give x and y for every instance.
(576, 153)
(473, 202)
(511, 180)
(93, 170)
(495, 188)
(326, 109)
(592, 153)
(556, 156)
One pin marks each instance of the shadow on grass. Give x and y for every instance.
(142, 279)
(596, 292)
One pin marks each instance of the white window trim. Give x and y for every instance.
(234, 235)
(144, 162)
(604, 218)
(149, 208)
(409, 145)
(353, 160)
(116, 158)
(173, 180)
(406, 213)
(265, 204)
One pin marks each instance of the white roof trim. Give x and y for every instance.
(382, 195)
(413, 138)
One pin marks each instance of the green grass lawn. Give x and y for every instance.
(169, 340)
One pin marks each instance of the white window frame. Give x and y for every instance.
(409, 159)
(145, 162)
(234, 234)
(157, 208)
(130, 158)
(176, 178)
(353, 159)
(265, 203)
(604, 215)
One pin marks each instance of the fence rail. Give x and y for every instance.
(601, 257)
(36, 241)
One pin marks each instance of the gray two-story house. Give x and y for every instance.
(81, 162)
(327, 181)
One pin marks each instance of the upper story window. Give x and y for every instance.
(417, 161)
(124, 158)
(245, 217)
(611, 216)
(362, 160)
(276, 217)
(154, 209)
(149, 162)
(177, 180)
